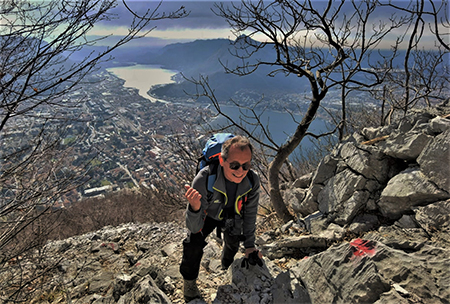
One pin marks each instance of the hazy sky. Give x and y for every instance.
(202, 23)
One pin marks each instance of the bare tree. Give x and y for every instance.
(423, 76)
(328, 43)
(41, 97)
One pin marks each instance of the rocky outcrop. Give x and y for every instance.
(385, 171)
(138, 263)
(373, 227)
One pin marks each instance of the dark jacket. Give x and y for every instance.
(213, 207)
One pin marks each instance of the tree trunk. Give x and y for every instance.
(283, 153)
(274, 191)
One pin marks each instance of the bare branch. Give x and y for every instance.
(40, 86)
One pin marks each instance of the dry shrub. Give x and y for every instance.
(92, 214)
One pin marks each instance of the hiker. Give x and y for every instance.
(231, 207)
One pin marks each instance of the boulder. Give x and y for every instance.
(434, 160)
(247, 285)
(288, 290)
(408, 189)
(303, 241)
(343, 196)
(371, 132)
(434, 216)
(294, 198)
(336, 276)
(440, 124)
(324, 171)
(123, 284)
(407, 221)
(367, 161)
(364, 271)
(145, 291)
(363, 223)
(414, 120)
(302, 181)
(406, 146)
(309, 204)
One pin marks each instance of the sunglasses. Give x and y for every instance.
(236, 166)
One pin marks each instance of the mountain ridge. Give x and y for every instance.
(201, 57)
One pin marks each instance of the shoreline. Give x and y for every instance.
(147, 83)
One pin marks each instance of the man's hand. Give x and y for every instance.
(193, 197)
(250, 250)
(252, 257)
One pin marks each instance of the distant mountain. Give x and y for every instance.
(194, 57)
(208, 57)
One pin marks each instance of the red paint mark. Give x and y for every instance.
(362, 247)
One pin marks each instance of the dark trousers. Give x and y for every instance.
(193, 249)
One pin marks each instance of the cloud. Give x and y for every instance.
(169, 35)
(203, 23)
(200, 14)
(190, 33)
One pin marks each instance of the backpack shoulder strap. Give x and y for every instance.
(211, 181)
(212, 176)
(199, 161)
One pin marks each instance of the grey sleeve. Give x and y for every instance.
(195, 219)
(251, 209)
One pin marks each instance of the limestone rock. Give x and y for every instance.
(145, 291)
(440, 124)
(434, 216)
(302, 181)
(337, 275)
(407, 147)
(367, 161)
(434, 160)
(294, 198)
(408, 189)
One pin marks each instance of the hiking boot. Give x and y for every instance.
(226, 263)
(190, 290)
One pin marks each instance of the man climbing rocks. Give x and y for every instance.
(231, 205)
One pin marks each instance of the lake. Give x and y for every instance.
(142, 77)
(281, 125)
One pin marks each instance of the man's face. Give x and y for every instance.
(236, 159)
